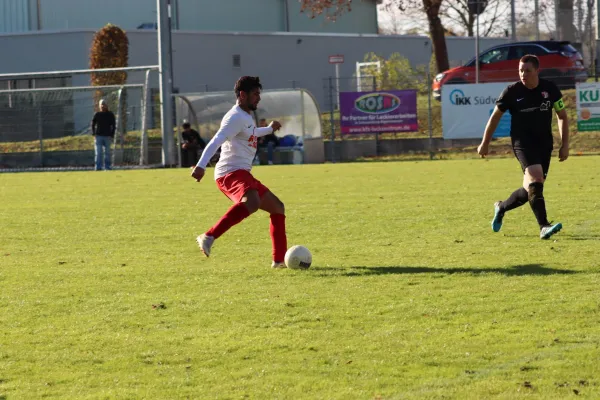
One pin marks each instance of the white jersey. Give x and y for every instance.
(237, 137)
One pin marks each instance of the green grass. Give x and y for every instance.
(104, 294)
(76, 143)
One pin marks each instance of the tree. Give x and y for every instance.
(436, 31)
(409, 22)
(110, 49)
(573, 21)
(334, 8)
(395, 73)
(564, 20)
(331, 8)
(492, 22)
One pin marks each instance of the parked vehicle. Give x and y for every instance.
(560, 62)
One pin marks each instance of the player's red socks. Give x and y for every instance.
(278, 237)
(236, 214)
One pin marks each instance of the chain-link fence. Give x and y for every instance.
(45, 121)
(428, 138)
(48, 125)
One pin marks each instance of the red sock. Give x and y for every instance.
(234, 215)
(277, 230)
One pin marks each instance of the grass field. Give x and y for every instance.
(104, 294)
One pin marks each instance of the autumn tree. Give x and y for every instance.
(334, 8)
(110, 49)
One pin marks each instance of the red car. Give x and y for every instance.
(560, 62)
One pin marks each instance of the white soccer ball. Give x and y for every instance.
(298, 257)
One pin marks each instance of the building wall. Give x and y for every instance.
(231, 15)
(89, 14)
(204, 61)
(201, 15)
(14, 16)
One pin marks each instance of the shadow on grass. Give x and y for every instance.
(516, 270)
(562, 236)
(582, 237)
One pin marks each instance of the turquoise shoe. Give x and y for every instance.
(498, 216)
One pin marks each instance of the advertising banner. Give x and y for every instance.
(466, 110)
(588, 106)
(378, 112)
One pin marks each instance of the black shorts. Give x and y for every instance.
(528, 156)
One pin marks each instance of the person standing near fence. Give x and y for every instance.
(530, 102)
(103, 130)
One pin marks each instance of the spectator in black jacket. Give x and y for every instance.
(103, 129)
(191, 143)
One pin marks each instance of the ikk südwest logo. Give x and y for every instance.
(458, 98)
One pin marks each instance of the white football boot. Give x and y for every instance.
(205, 242)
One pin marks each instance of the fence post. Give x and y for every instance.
(596, 70)
(144, 119)
(40, 129)
(332, 120)
(177, 101)
(374, 86)
(429, 113)
(120, 132)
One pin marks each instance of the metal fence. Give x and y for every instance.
(43, 127)
(45, 120)
(428, 138)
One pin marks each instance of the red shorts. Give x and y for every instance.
(235, 185)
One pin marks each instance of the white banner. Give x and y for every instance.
(467, 108)
(588, 106)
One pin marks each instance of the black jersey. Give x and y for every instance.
(104, 124)
(531, 112)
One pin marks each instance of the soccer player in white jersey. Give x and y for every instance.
(238, 137)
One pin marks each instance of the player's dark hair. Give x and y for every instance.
(247, 84)
(186, 125)
(530, 58)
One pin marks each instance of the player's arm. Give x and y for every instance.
(490, 128)
(94, 123)
(563, 129)
(230, 127)
(273, 127)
